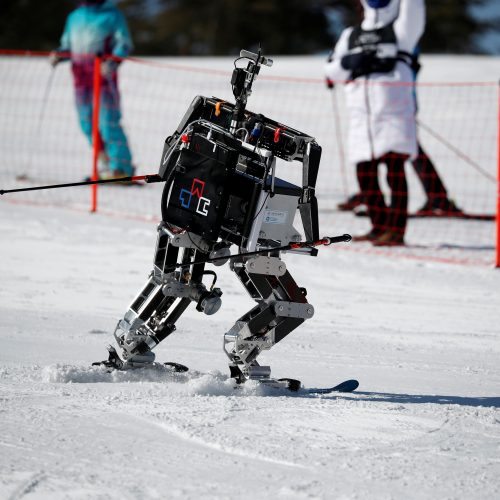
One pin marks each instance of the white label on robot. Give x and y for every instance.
(275, 217)
(203, 204)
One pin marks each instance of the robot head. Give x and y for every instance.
(379, 13)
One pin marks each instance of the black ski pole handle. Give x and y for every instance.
(344, 238)
(327, 240)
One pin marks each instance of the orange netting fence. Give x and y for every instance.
(41, 142)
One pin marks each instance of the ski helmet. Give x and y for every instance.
(378, 4)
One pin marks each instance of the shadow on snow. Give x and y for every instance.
(425, 399)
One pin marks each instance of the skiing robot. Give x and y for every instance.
(221, 189)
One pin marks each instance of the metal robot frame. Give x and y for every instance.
(221, 189)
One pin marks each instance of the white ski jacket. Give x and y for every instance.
(381, 112)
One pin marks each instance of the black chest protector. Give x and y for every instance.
(374, 51)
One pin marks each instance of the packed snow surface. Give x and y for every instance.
(422, 338)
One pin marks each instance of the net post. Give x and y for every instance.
(497, 259)
(96, 138)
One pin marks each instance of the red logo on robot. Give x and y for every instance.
(186, 197)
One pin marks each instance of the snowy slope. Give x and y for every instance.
(422, 338)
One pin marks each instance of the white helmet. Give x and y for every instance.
(379, 13)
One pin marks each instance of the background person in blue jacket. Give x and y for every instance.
(97, 27)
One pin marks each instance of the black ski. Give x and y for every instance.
(176, 367)
(346, 386)
(439, 215)
(294, 385)
(454, 215)
(167, 366)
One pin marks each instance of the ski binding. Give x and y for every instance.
(114, 362)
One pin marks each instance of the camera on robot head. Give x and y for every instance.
(242, 78)
(220, 173)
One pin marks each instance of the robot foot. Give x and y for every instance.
(290, 384)
(261, 374)
(114, 361)
(140, 360)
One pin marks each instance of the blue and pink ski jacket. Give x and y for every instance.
(96, 29)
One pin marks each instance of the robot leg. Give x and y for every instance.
(166, 295)
(281, 307)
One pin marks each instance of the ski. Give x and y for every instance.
(30, 179)
(294, 385)
(346, 386)
(453, 215)
(438, 215)
(168, 366)
(176, 367)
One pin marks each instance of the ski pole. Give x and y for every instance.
(338, 135)
(41, 116)
(455, 150)
(325, 241)
(147, 178)
(45, 100)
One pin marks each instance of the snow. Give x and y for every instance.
(422, 338)
(420, 335)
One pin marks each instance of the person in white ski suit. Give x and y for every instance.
(375, 61)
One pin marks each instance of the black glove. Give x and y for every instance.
(108, 68)
(55, 58)
(359, 64)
